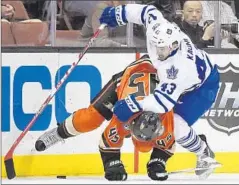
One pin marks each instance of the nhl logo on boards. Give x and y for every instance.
(224, 114)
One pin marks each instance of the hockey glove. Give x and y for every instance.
(114, 16)
(156, 169)
(124, 109)
(114, 171)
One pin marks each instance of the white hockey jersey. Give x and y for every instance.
(184, 70)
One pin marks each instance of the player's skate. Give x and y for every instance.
(206, 161)
(48, 139)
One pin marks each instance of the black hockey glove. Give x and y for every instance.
(156, 165)
(156, 169)
(114, 171)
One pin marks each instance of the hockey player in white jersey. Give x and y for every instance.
(189, 81)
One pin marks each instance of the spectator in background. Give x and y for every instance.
(82, 8)
(92, 11)
(34, 8)
(189, 23)
(7, 11)
(227, 17)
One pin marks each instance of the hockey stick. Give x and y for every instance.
(8, 159)
(188, 170)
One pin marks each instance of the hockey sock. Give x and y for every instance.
(192, 142)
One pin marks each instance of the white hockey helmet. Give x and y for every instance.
(164, 34)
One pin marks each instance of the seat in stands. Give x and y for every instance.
(30, 33)
(6, 33)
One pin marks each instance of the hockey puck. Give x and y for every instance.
(61, 177)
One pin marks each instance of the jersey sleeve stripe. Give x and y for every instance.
(124, 14)
(135, 103)
(209, 63)
(167, 97)
(143, 13)
(161, 103)
(151, 9)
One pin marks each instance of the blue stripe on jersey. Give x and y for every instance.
(142, 14)
(201, 68)
(193, 87)
(167, 97)
(151, 10)
(124, 14)
(209, 63)
(135, 102)
(160, 102)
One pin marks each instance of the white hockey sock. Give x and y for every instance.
(192, 142)
(70, 127)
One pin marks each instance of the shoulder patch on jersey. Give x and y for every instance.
(172, 73)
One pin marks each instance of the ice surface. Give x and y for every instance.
(132, 179)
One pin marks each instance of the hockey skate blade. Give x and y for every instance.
(212, 166)
(10, 170)
(210, 170)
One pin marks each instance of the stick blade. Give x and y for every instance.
(10, 170)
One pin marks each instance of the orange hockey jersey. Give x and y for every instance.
(139, 79)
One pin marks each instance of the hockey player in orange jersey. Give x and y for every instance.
(140, 79)
(148, 130)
